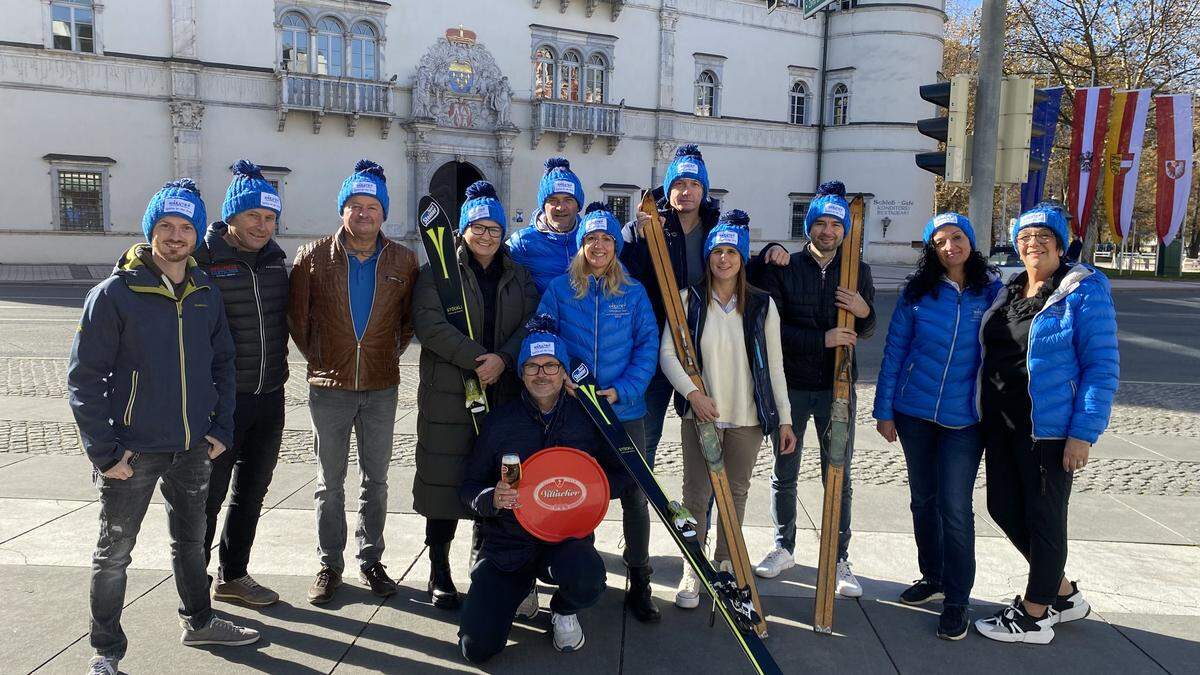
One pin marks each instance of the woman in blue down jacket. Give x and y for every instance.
(1050, 370)
(606, 319)
(926, 396)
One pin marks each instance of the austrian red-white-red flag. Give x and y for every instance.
(1088, 124)
(1173, 112)
(1123, 155)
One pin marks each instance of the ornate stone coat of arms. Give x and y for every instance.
(458, 84)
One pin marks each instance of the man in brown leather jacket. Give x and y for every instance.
(350, 314)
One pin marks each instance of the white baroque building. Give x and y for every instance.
(101, 101)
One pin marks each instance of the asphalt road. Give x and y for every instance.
(1159, 330)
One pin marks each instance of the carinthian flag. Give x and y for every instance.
(1122, 155)
(1174, 115)
(1088, 124)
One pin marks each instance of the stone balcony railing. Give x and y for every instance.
(569, 118)
(323, 94)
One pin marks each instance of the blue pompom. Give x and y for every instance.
(557, 163)
(736, 217)
(542, 323)
(367, 166)
(833, 187)
(481, 189)
(185, 183)
(245, 167)
(596, 206)
(689, 150)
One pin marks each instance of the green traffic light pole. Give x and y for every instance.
(987, 118)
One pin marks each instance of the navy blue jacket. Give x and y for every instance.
(150, 372)
(518, 427)
(932, 356)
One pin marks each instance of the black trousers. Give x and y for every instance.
(442, 530)
(487, 615)
(1027, 496)
(248, 465)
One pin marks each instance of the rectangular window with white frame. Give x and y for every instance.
(621, 200)
(800, 204)
(79, 192)
(73, 26)
(277, 177)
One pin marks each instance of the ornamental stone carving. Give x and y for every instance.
(459, 85)
(187, 114)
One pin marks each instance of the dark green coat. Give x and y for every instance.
(445, 435)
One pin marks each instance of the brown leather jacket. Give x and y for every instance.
(320, 322)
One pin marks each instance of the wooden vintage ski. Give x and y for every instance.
(839, 431)
(710, 444)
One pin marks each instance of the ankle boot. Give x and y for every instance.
(441, 586)
(639, 599)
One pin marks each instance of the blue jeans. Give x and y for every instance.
(787, 468)
(942, 464)
(658, 398)
(123, 505)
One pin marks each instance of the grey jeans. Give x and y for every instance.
(123, 505)
(372, 417)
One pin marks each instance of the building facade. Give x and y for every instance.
(103, 101)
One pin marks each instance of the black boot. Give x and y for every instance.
(441, 587)
(638, 598)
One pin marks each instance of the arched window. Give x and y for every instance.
(706, 94)
(798, 99)
(543, 73)
(295, 43)
(841, 104)
(593, 81)
(330, 51)
(568, 74)
(363, 62)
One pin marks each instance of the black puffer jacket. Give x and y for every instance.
(805, 297)
(256, 302)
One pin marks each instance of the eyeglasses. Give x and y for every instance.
(546, 368)
(1039, 237)
(490, 230)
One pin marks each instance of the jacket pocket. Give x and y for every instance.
(133, 387)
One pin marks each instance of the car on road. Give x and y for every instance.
(1006, 260)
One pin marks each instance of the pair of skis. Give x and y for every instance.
(438, 236)
(731, 599)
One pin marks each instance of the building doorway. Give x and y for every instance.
(449, 183)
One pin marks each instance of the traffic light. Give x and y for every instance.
(951, 130)
(1016, 130)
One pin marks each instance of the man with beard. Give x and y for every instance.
(808, 295)
(151, 383)
(350, 314)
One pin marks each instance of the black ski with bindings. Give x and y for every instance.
(731, 602)
(438, 235)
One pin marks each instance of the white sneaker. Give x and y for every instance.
(568, 634)
(1071, 607)
(528, 609)
(775, 562)
(688, 595)
(102, 665)
(847, 584)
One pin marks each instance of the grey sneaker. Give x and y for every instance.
(528, 609)
(102, 665)
(245, 590)
(217, 632)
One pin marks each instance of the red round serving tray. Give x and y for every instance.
(563, 494)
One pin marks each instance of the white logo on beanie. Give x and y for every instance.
(945, 219)
(725, 237)
(596, 224)
(1035, 218)
(270, 201)
(180, 206)
(563, 186)
(541, 349)
(477, 212)
(836, 210)
(687, 166)
(363, 187)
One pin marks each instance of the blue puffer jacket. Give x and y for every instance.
(616, 336)
(932, 356)
(544, 253)
(1073, 362)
